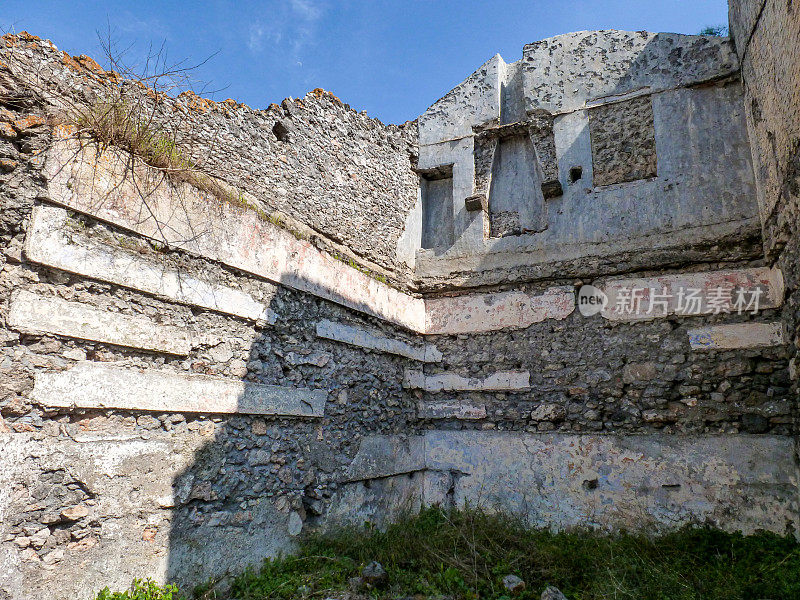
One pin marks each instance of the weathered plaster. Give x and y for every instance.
(632, 482)
(131, 482)
(565, 72)
(31, 313)
(472, 313)
(184, 218)
(736, 335)
(50, 242)
(99, 385)
(614, 481)
(707, 284)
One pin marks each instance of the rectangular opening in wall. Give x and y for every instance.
(437, 207)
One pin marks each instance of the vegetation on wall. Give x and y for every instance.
(715, 30)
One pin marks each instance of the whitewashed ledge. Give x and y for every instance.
(355, 336)
(182, 217)
(101, 386)
(32, 313)
(501, 381)
(737, 335)
(50, 242)
(461, 410)
(621, 308)
(473, 313)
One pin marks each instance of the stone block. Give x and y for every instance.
(382, 456)
(451, 410)
(32, 313)
(736, 335)
(451, 382)
(639, 372)
(100, 386)
(549, 412)
(355, 336)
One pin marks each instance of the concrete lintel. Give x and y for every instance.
(32, 313)
(451, 410)
(355, 336)
(736, 335)
(97, 385)
(47, 243)
(500, 381)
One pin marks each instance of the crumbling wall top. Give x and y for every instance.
(569, 71)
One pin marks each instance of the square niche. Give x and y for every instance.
(623, 141)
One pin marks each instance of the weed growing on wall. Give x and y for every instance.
(142, 590)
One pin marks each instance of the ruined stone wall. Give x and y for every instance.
(130, 487)
(767, 37)
(344, 175)
(173, 429)
(185, 387)
(591, 375)
(637, 156)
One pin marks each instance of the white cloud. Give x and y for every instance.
(130, 23)
(255, 40)
(307, 9)
(289, 28)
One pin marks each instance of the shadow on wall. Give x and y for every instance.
(262, 418)
(261, 480)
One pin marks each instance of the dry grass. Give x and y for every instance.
(117, 123)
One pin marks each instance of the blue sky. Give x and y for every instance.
(390, 58)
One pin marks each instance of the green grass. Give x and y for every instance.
(465, 554)
(142, 590)
(116, 122)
